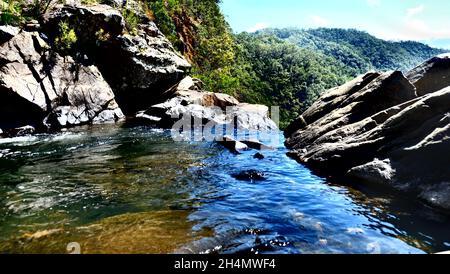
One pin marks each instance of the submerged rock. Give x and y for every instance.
(258, 156)
(159, 232)
(376, 129)
(38, 86)
(233, 145)
(250, 175)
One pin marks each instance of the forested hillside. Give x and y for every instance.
(358, 49)
(281, 67)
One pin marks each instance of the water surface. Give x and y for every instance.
(134, 190)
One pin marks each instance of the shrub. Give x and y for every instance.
(65, 39)
(131, 20)
(11, 12)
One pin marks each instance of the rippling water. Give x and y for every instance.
(134, 190)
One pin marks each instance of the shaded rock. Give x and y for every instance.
(38, 86)
(8, 32)
(295, 125)
(233, 145)
(139, 67)
(250, 175)
(258, 156)
(380, 134)
(377, 171)
(432, 75)
(86, 21)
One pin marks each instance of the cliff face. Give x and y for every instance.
(385, 128)
(86, 64)
(44, 87)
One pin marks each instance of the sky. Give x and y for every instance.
(426, 21)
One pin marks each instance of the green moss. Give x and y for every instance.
(89, 2)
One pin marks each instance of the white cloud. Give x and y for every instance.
(318, 21)
(412, 28)
(373, 3)
(258, 26)
(415, 11)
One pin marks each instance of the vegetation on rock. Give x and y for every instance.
(66, 38)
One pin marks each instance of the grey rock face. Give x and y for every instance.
(7, 32)
(139, 66)
(37, 84)
(432, 75)
(382, 132)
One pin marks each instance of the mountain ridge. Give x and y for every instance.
(365, 50)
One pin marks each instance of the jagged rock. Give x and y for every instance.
(382, 133)
(37, 83)
(432, 75)
(233, 145)
(138, 66)
(7, 32)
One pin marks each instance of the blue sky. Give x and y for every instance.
(420, 20)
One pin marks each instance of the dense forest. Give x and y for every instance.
(289, 68)
(358, 50)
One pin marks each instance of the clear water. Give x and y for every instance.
(134, 190)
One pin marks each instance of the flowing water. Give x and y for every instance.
(114, 189)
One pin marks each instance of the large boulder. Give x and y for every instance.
(379, 131)
(432, 75)
(188, 101)
(39, 86)
(350, 103)
(139, 64)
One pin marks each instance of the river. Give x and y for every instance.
(118, 189)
